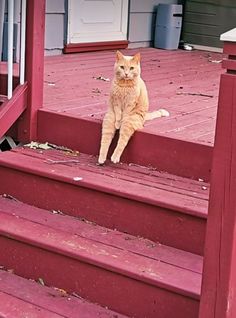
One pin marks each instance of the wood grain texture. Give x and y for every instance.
(184, 83)
(14, 307)
(19, 296)
(180, 157)
(159, 209)
(71, 87)
(95, 232)
(94, 265)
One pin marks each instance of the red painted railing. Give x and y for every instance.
(218, 298)
(35, 29)
(27, 97)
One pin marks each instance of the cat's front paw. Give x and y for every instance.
(117, 124)
(101, 160)
(115, 158)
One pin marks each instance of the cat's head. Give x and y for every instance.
(127, 67)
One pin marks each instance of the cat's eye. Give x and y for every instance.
(122, 67)
(131, 68)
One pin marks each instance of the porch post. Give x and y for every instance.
(2, 12)
(218, 298)
(35, 29)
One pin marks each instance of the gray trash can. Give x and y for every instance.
(168, 26)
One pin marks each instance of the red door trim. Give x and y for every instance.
(95, 46)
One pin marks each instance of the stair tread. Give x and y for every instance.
(12, 307)
(130, 181)
(110, 237)
(21, 297)
(140, 259)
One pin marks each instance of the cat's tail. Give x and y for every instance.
(157, 114)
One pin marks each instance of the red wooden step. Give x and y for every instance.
(20, 297)
(12, 307)
(138, 200)
(183, 158)
(130, 275)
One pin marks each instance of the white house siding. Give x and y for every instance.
(54, 33)
(55, 26)
(142, 21)
(142, 17)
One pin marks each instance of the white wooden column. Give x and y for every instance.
(22, 42)
(2, 12)
(10, 49)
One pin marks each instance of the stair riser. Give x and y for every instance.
(115, 290)
(166, 154)
(156, 223)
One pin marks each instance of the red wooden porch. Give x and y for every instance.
(126, 240)
(76, 89)
(185, 83)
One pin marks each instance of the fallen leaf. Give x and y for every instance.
(101, 78)
(37, 145)
(41, 282)
(50, 161)
(195, 94)
(62, 291)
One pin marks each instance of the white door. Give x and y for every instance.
(97, 20)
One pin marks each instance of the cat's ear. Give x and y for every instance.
(119, 56)
(137, 58)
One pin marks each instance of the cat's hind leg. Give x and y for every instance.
(108, 132)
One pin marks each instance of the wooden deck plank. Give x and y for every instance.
(128, 172)
(108, 237)
(178, 157)
(109, 258)
(171, 77)
(49, 302)
(151, 191)
(153, 204)
(185, 120)
(82, 275)
(14, 307)
(137, 171)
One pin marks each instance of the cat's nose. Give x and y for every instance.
(126, 74)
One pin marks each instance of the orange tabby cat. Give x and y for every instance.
(128, 106)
